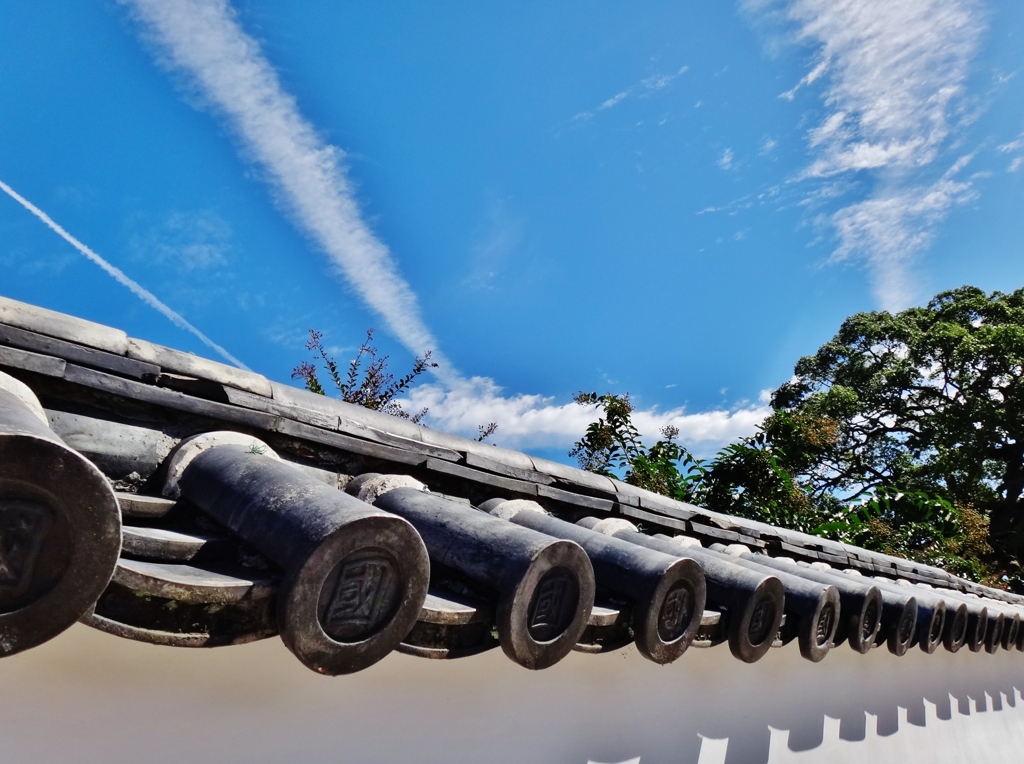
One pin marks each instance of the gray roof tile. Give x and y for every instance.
(169, 359)
(61, 326)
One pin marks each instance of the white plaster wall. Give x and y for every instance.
(90, 697)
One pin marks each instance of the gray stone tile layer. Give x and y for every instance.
(40, 364)
(498, 482)
(194, 366)
(169, 398)
(69, 351)
(61, 326)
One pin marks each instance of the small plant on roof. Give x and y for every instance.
(372, 386)
(486, 431)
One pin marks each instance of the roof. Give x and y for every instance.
(249, 508)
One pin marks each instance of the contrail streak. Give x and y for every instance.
(121, 278)
(203, 39)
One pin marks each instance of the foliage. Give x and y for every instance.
(751, 478)
(373, 387)
(930, 400)
(918, 526)
(612, 444)
(745, 478)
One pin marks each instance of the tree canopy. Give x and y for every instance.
(928, 399)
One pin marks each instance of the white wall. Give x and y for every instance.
(90, 697)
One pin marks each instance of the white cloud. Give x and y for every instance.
(202, 39)
(1015, 145)
(614, 100)
(893, 70)
(891, 77)
(725, 160)
(1015, 164)
(768, 145)
(830, 129)
(658, 81)
(809, 78)
(536, 421)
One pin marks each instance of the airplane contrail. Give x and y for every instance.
(204, 40)
(121, 277)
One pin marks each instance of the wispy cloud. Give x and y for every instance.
(496, 242)
(203, 40)
(193, 241)
(1014, 147)
(537, 421)
(891, 76)
(659, 81)
(889, 229)
(120, 277)
(725, 159)
(613, 100)
(809, 78)
(775, 195)
(645, 86)
(893, 69)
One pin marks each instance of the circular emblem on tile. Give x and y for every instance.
(360, 595)
(553, 605)
(826, 622)
(869, 621)
(676, 612)
(761, 622)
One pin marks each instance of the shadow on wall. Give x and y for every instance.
(727, 711)
(91, 697)
(862, 699)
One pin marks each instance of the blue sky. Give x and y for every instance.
(674, 200)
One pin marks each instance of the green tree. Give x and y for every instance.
(612, 446)
(929, 400)
(750, 478)
(745, 478)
